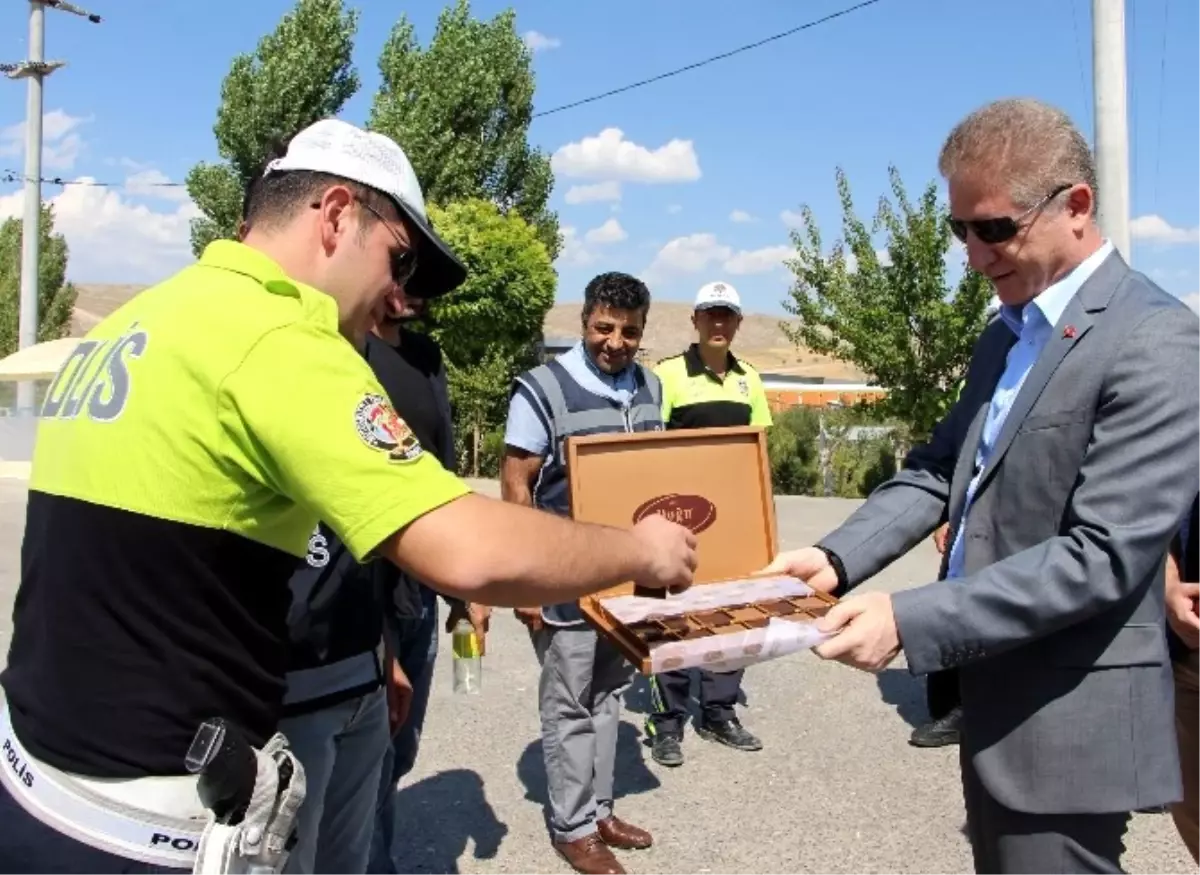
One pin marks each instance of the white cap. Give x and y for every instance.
(342, 149)
(718, 295)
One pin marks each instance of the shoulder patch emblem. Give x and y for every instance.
(381, 428)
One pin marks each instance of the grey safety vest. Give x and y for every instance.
(566, 410)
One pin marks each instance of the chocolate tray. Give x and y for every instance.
(721, 638)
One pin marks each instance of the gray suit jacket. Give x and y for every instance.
(1057, 626)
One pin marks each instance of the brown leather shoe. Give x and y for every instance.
(619, 834)
(590, 855)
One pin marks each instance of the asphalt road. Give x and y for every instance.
(836, 788)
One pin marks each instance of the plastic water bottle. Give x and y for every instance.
(468, 664)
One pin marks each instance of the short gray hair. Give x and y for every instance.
(1029, 146)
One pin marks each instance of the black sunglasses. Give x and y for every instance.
(403, 257)
(1001, 229)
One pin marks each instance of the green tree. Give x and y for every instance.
(860, 463)
(56, 296)
(461, 110)
(486, 327)
(792, 450)
(899, 322)
(298, 74)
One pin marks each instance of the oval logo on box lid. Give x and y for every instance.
(691, 511)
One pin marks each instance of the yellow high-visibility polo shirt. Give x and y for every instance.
(186, 452)
(696, 397)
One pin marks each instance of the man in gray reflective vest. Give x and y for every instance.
(595, 387)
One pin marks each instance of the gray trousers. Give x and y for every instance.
(1003, 840)
(579, 697)
(341, 748)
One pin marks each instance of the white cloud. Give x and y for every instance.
(674, 209)
(539, 42)
(1158, 230)
(700, 252)
(792, 219)
(1192, 300)
(579, 250)
(610, 232)
(763, 260)
(61, 141)
(608, 155)
(601, 191)
(112, 239)
(696, 253)
(741, 216)
(573, 251)
(690, 254)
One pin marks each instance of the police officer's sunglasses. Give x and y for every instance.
(404, 256)
(1002, 228)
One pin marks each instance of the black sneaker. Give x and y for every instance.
(729, 732)
(666, 749)
(938, 733)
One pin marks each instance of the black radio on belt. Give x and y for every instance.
(227, 766)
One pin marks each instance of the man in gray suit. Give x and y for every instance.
(1063, 470)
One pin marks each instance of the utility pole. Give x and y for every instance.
(1110, 90)
(35, 69)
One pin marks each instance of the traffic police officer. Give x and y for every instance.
(185, 454)
(704, 387)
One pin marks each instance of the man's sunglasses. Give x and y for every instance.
(403, 257)
(1001, 229)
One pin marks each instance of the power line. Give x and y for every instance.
(706, 61)
(14, 176)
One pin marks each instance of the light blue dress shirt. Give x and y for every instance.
(524, 428)
(1034, 325)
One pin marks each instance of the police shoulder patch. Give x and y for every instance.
(381, 428)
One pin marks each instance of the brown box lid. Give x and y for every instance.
(716, 481)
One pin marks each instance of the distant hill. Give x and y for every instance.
(95, 301)
(760, 340)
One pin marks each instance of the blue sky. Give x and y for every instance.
(682, 182)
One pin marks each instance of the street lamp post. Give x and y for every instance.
(34, 70)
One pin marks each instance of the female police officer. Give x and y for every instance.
(186, 452)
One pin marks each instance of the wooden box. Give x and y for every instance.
(716, 481)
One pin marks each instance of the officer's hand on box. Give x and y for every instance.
(670, 560)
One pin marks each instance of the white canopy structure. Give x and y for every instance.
(18, 433)
(38, 362)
